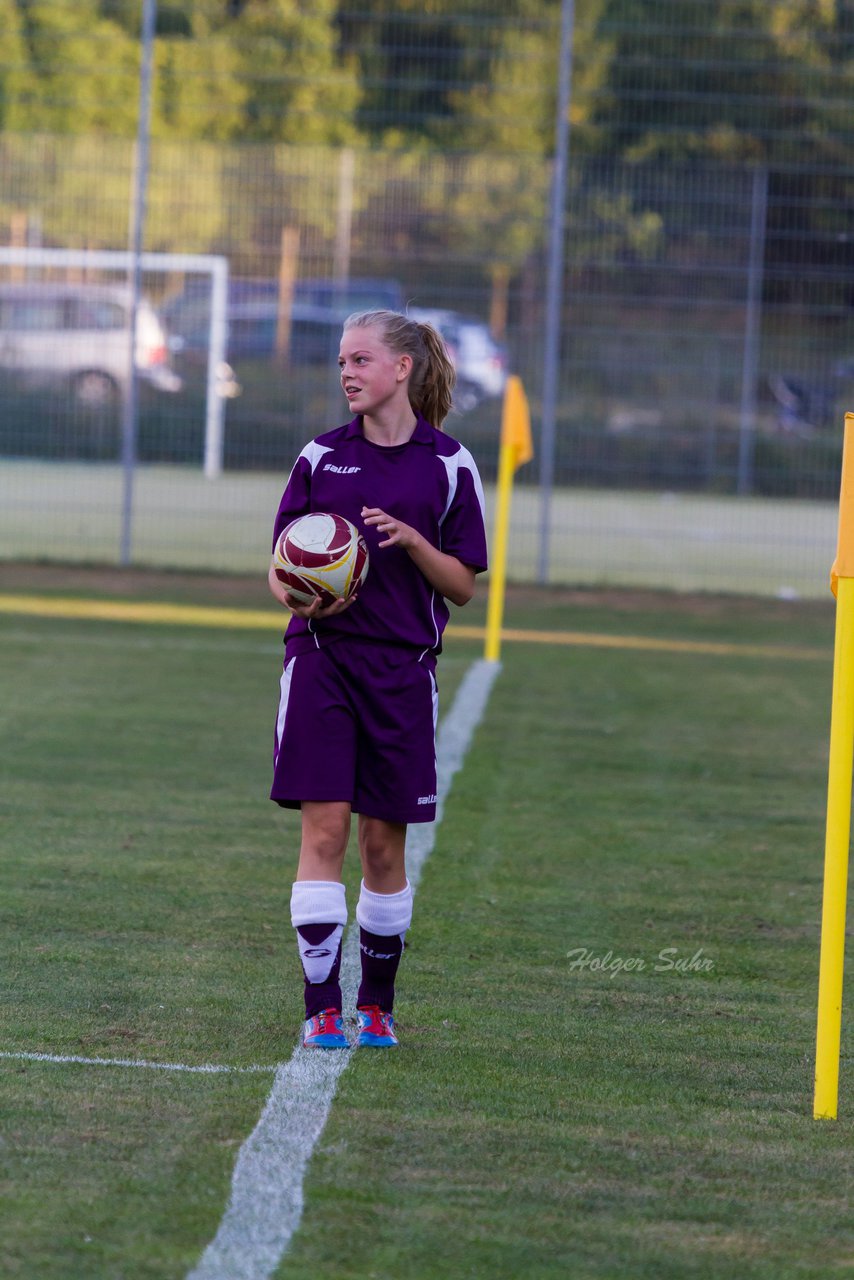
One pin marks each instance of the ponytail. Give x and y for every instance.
(435, 389)
(431, 382)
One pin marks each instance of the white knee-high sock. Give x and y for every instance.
(383, 921)
(319, 914)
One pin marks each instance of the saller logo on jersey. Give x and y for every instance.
(426, 800)
(341, 471)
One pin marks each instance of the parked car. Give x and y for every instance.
(345, 297)
(480, 361)
(319, 306)
(252, 331)
(341, 296)
(315, 332)
(75, 337)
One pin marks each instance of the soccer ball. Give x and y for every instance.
(321, 555)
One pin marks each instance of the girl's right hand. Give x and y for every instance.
(297, 607)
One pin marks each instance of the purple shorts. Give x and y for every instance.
(357, 722)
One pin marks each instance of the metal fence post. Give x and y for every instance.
(752, 331)
(130, 403)
(554, 285)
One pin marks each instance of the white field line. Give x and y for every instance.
(266, 1202)
(205, 1069)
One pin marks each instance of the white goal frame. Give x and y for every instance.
(213, 265)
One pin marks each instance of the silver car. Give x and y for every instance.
(76, 336)
(480, 361)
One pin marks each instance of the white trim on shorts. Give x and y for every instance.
(284, 695)
(435, 693)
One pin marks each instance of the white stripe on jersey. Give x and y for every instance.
(462, 458)
(435, 595)
(313, 452)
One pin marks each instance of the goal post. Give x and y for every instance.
(213, 265)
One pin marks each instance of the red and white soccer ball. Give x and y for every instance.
(321, 555)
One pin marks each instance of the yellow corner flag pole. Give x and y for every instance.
(838, 830)
(515, 449)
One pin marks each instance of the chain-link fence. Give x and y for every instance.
(706, 345)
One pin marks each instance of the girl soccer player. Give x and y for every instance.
(357, 714)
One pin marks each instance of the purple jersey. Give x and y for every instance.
(431, 483)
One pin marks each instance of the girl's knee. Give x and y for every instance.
(325, 833)
(382, 846)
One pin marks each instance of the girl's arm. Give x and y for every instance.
(447, 574)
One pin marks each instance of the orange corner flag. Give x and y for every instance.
(516, 422)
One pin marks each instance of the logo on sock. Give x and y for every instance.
(378, 955)
(319, 954)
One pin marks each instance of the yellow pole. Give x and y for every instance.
(498, 558)
(838, 827)
(515, 449)
(829, 1028)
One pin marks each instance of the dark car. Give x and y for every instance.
(345, 297)
(253, 328)
(318, 308)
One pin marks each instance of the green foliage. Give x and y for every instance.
(728, 81)
(81, 69)
(79, 187)
(471, 85)
(199, 90)
(297, 90)
(511, 108)
(271, 72)
(14, 67)
(732, 82)
(490, 206)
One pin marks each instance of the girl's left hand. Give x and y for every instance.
(446, 573)
(397, 533)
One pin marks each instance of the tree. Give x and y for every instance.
(264, 70)
(15, 70)
(407, 55)
(199, 91)
(296, 87)
(744, 81)
(80, 67)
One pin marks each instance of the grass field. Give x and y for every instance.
(683, 542)
(567, 1101)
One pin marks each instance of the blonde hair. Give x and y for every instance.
(431, 382)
